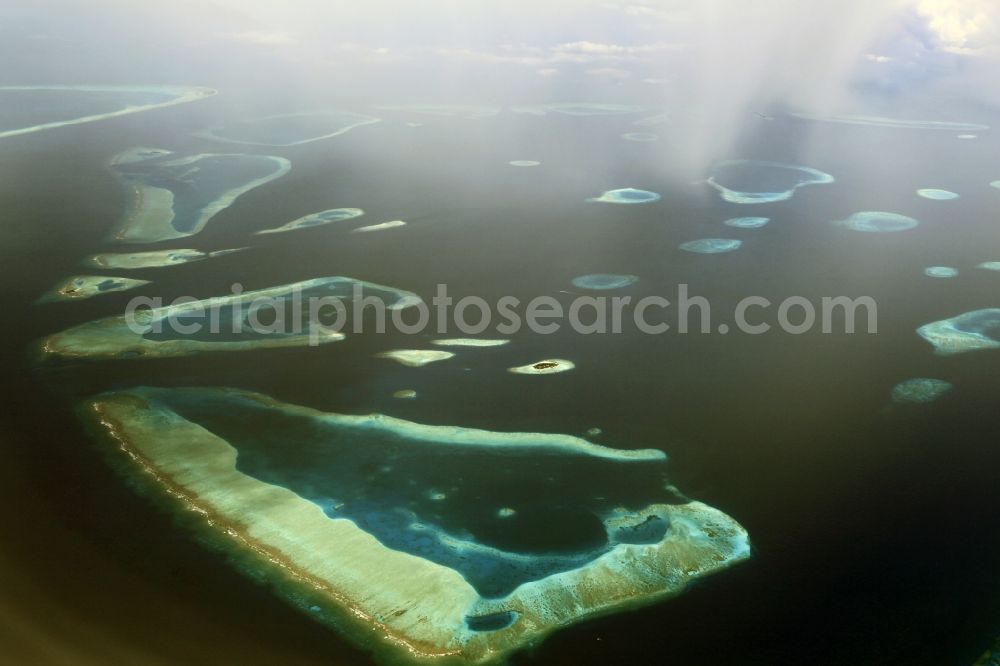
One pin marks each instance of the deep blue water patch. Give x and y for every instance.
(491, 622)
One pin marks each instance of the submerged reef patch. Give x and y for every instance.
(174, 196)
(316, 220)
(79, 287)
(28, 109)
(411, 532)
(940, 272)
(415, 358)
(604, 281)
(936, 195)
(989, 265)
(711, 245)
(266, 318)
(289, 129)
(756, 182)
(879, 222)
(549, 366)
(971, 331)
(747, 222)
(153, 259)
(627, 195)
(920, 390)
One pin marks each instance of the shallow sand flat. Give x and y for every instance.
(469, 342)
(416, 609)
(381, 226)
(249, 320)
(415, 358)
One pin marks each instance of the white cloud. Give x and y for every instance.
(962, 26)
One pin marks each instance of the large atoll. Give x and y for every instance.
(289, 129)
(301, 314)
(409, 534)
(755, 182)
(893, 123)
(171, 196)
(971, 331)
(28, 109)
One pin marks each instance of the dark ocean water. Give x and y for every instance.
(873, 525)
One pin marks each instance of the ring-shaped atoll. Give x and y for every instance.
(408, 532)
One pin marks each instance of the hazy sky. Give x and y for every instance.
(787, 48)
(713, 58)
